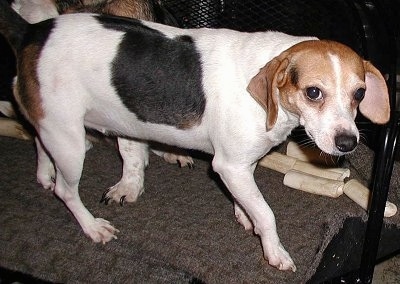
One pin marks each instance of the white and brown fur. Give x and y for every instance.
(234, 95)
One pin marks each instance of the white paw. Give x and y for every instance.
(122, 192)
(280, 258)
(181, 160)
(101, 231)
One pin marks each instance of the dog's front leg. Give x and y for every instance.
(240, 181)
(135, 158)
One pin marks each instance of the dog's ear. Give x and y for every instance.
(375, 105)
(264, 87)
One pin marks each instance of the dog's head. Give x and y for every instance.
(323, 83)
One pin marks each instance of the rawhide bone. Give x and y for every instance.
(12, 128)
(361, 195)
(322, 181)
(313, 184)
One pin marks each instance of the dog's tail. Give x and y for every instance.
(12, 25)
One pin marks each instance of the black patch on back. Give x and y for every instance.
(185, 38)
(157, 78)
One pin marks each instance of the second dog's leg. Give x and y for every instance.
(135, 158)
(180, 158)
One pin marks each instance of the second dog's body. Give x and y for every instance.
(234, 95)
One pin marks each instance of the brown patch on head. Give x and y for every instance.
(331, 67)
(294, 75)
(28, 94)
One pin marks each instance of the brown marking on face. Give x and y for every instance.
(335, 69)
(28, 93)
(311, 66)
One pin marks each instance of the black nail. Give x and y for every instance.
(122, 200)
(103, 197)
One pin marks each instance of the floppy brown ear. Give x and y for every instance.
(263, 87)
(375, 105)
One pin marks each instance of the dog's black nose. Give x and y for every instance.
(345, 142)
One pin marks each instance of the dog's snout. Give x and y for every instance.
(345, 142)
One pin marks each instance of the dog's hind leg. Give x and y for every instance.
(135, 158)
(66, 145)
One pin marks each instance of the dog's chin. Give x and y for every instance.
(337, 153)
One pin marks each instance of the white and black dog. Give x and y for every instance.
(234, 95)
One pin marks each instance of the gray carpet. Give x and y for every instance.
(181, 229)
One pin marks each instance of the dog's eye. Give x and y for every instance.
(314, 94)
(359, 94)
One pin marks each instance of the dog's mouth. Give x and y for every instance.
(341, 144)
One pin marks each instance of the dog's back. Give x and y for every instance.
(100, 69)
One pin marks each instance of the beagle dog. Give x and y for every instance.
(232, 94)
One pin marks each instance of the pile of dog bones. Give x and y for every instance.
(307, 170)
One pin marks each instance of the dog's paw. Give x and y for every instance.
(280, 258)
(101, 231)
(122, 192)
(181, 160)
